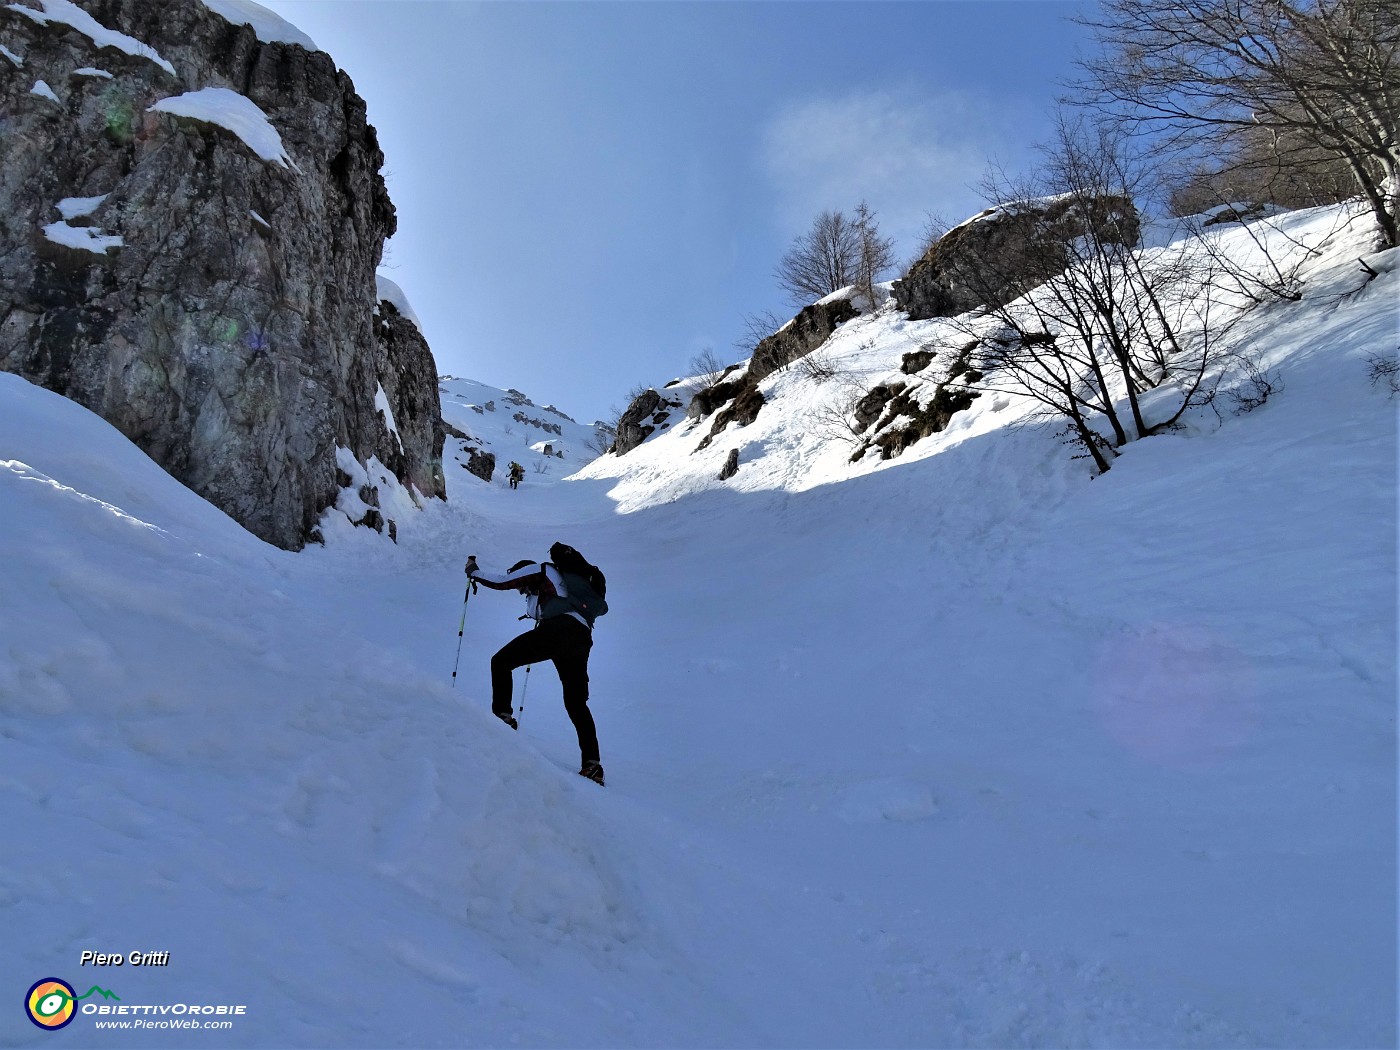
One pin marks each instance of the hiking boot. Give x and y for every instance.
(507, 720)
(593, 771)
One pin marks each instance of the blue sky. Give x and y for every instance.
(589, 194)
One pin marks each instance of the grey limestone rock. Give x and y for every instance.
(229, 323)
(812, 327)
(731, 465)
(481, 464)
(999, 254)
(870, 407)
(648, 411)
(632, 429)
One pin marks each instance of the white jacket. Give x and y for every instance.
(539, 584)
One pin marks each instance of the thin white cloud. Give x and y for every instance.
(907, 154)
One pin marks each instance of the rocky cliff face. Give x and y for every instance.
(190, 221)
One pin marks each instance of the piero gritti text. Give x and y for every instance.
(136, 958)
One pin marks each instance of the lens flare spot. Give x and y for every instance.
(120, 117)
(1175, 695)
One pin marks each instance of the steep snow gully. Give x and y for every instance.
(959, 749)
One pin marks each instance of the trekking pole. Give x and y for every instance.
(461, 627)
(521, 712)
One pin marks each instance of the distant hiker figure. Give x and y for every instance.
(517, 474)
(563, 596)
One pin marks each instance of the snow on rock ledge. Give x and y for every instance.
(77, 207)
(390, 292)
(87, 238)
(238, 113)
(269, 28)
(65, 12)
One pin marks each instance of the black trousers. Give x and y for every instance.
(567, 643)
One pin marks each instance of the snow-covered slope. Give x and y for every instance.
(959, 748)
(253, 761)
(512, 427)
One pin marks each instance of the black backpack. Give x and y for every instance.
(585, 582)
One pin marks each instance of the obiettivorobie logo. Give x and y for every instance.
(51, 1003)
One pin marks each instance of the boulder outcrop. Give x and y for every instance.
(812, 327)
(894, 416)
(1001, 253)
(648, 411)
(731, 465)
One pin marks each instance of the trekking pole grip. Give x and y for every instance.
(462, 624)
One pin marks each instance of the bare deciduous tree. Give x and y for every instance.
(1088, 343)
(876, 257)
(836, 252)
(1385, 372)
(834, 418)
(1262, 168)
(603, 436)
(1207, 77)
(757, 327)
(935, 226)
(708, 367)
(821, 260)
(818, 365)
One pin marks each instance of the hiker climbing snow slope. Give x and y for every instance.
(563, 597)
